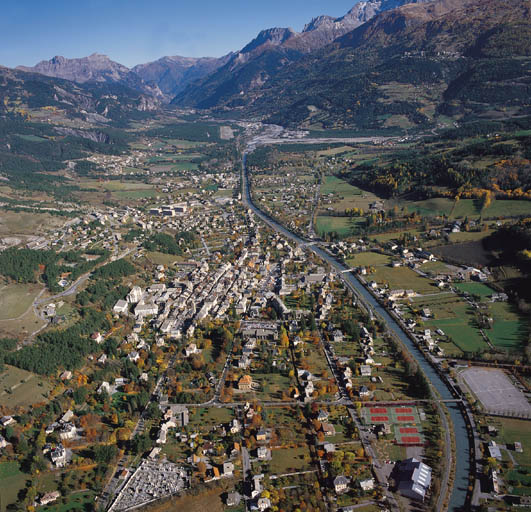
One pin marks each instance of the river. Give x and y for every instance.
(462, 447)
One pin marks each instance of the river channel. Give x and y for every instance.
(462, 447)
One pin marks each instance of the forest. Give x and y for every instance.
(58, 349)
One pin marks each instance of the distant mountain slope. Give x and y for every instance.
(100, 101)
(94, 68)
(404, 67)
(270, 52)
(173, 74)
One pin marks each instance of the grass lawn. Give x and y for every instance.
(476, 289)
(368, 258)
(12, 480)
(271, 385)
(511, 430)
(289, 460)
(160, 258)
(210, 416)
(21, 388)
(15, 299)
(342, 225)
(510, 329)
(403, 278)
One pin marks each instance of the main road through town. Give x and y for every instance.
(458, 492)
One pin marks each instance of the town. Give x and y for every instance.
(184, 346)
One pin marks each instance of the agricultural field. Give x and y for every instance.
(289, 460)
(21, 388)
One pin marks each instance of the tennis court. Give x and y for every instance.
(408, 435)
(394, 415)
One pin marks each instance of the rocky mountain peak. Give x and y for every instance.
(317, 23)
(273, 36)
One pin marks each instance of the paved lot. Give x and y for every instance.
(495, 390)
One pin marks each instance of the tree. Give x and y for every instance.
(201, 468)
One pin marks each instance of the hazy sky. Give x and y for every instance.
(137, 31)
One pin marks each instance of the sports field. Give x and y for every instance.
(495, 390)
(408, 435)
(394, 415)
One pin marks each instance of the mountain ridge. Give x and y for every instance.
(272, 50)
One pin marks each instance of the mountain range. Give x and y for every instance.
(169, 76)
(384, 64)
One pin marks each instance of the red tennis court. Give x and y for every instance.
(410, 440)
(379, 410)
(377, 419)
(405, 418)
(408, 430)
(403, 410)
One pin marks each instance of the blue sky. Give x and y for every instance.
(137, 31)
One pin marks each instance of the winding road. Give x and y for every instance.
(458, 492)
